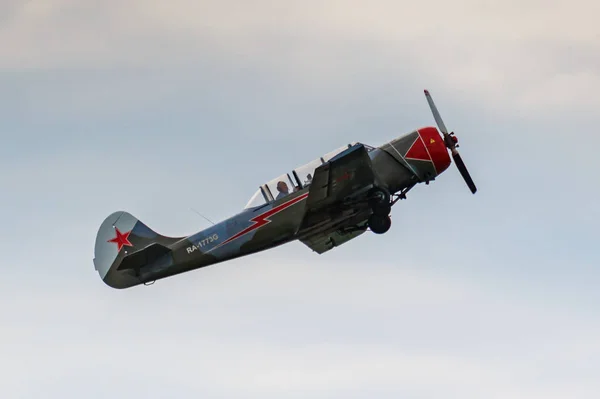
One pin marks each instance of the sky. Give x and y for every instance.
(158, 109)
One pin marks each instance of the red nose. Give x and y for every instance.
(436, 148)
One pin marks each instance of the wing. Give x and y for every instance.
(334, 212)
(323, 242)
(347, 175)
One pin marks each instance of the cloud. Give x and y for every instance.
(254, 322)
(510, 54)
(158, 108)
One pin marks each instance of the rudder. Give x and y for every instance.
(124, 245)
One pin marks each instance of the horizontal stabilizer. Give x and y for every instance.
(145, 256)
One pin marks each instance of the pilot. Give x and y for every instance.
(308, 179)
(283, 189)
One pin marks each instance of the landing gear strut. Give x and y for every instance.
(380, 222)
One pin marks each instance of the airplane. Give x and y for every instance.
(323, 204)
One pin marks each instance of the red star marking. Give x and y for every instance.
(343, 177)
(122, 239)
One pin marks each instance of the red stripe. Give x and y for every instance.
(263, 219)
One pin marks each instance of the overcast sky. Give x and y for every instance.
(156, 109)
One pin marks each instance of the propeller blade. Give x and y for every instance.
(436, 114)
(463, 171)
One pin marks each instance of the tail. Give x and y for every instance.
(125, 247)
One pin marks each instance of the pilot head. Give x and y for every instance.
(282, 187)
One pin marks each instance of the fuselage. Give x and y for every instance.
(415, 157)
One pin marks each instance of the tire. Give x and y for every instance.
(381, 197)
(379, 224)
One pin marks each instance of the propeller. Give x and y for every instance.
(452, 143)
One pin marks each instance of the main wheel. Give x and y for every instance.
(379, 196)
(379, 201)
(379, 224)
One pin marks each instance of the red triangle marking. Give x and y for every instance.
(418, 151)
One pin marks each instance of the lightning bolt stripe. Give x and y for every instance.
(262, 220)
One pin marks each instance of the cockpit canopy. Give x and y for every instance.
(297, 179)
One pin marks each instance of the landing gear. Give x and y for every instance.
(379, 224)
(379, 201)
